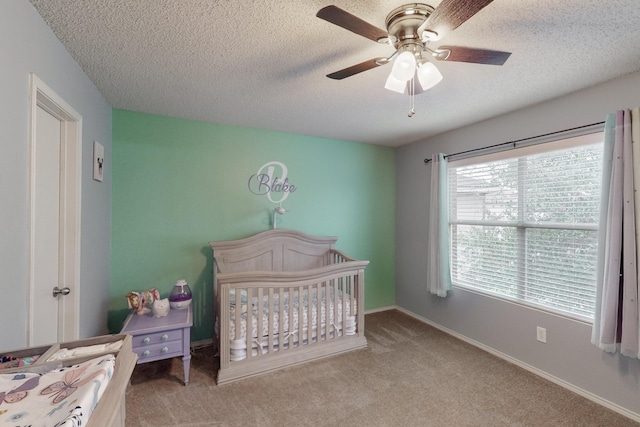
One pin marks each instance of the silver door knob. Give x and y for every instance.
(57, 291)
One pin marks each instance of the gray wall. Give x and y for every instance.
(28, 45)
(505, 327)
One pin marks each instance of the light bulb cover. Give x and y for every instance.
(428, 75)
(395, 84)
(404, 66)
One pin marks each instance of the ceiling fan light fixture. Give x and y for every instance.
(404, 66)
(428, 75)
(395, 84)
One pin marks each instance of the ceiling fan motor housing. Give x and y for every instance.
(403, 23)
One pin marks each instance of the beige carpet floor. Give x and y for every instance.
(411, 375)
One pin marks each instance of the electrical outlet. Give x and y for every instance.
(541, 334)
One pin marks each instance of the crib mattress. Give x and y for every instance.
(319, 316)
(63, 397)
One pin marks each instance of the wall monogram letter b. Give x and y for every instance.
(271, 180)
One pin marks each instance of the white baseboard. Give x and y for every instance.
(195, 345)
(584, 393)
(379, 309)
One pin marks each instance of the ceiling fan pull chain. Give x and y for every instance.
(412, 95)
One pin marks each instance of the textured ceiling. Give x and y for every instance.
(262, 64)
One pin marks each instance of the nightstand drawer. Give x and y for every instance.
(155, 338)
(160, 350)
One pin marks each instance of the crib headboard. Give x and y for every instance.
(273, 250)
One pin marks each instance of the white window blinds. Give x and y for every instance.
(524, 224)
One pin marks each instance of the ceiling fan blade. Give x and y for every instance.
(450, 14)
(355, 69)
(344, 19)
(475, 56)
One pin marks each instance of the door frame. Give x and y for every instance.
(43, 96)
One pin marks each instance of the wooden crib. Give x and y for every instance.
(282, 298)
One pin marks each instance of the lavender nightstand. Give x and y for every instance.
(158, 338)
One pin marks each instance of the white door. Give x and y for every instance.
(46, 229)
(54, 265)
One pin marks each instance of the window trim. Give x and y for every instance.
(590, 137)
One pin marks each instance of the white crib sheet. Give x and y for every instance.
(63, 397)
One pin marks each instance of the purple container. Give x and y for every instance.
(180, 295)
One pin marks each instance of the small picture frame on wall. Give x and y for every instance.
(98, 161)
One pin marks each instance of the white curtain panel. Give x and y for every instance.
(616, 324)
(438, 264)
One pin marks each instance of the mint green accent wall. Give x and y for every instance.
(178, 184)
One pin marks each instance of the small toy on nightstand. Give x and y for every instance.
(160, 307)
(140, 301)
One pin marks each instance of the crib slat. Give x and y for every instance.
(249, 323)
(360, 295)
(343, 302)
(259, 320)
(352, 297)
(270, 325)
(237, 321)
(238, 315)
(312, 295)
(331, 305)
(290, 330)
(319, 294)
(281, 320)
(338, 305)
(301, 291)
(325, 298)
(224, 350)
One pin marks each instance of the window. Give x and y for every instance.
(524, 224)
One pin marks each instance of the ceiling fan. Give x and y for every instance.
(410, 29)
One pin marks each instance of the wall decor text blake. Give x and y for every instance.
(271, 180)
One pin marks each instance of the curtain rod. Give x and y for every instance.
(513, 143)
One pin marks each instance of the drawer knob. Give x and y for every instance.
(164, 349)
(165, 337)
(146, 340)
(146, 353)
